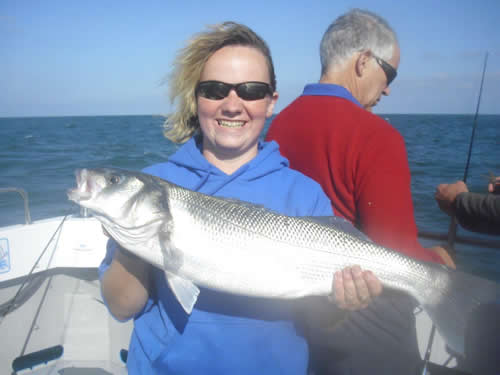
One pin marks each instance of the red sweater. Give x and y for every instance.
(360, 161)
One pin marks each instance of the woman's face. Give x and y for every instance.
(231, 126)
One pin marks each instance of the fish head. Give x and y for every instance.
(125, 198)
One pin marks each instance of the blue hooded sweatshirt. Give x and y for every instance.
(225, 334)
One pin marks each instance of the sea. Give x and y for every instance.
(40, 155)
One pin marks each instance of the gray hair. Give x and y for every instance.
(355, 31)
(188, 65)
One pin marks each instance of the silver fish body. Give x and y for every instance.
(241, 248)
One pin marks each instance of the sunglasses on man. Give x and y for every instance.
(390, 72)
(217, 90)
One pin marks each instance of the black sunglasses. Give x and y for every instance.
(217, 90)
(390, 72)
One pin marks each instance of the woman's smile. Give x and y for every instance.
(231, 123)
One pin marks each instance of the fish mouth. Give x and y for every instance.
(84, 187)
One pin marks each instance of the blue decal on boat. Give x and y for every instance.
(4, 255)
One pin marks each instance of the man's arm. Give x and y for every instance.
(479, 212)
(383, 196)
(475, 212)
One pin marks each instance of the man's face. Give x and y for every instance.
(376, 83)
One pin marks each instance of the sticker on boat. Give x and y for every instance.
(4, 255)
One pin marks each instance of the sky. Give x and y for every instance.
(69, 58)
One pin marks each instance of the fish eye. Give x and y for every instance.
(114, 180)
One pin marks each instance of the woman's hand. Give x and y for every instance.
(354, 289)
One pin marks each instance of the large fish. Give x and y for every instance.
(237, 247)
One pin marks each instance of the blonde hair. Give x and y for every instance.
(188, 66)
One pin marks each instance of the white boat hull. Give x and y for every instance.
(61, 302)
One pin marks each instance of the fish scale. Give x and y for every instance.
(239, 225)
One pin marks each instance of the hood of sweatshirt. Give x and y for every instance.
(211, 179)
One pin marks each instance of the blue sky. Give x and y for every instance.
(109, 57)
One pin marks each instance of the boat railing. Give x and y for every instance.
(24, 195)
(84, 212)
(421, 233)
(466, 240)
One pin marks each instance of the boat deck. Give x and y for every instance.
(63, 308)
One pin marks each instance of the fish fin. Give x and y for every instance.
(339, 223)
(463, 299)
(184, 290)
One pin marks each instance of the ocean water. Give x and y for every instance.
(41, 154)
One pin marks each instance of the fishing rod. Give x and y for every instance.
(452, 231)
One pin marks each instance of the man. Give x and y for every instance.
(475, 212)
(330, 134)
(478, 213)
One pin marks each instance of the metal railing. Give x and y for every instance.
(466, 240)
(24, 195)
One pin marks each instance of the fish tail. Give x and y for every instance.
(458, 303)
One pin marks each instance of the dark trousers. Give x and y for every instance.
(380, 339)
(482, 341)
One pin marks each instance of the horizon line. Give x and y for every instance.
(274, 114)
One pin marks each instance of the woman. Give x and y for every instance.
(225, 88)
